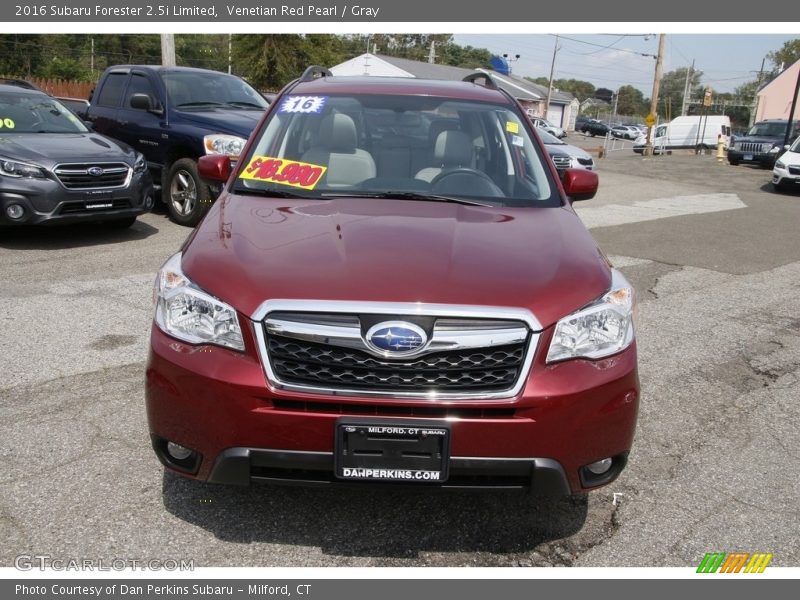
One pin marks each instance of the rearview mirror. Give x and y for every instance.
(580, 184)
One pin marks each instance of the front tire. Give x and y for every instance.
(187, 197)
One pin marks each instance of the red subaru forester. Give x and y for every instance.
(394, 289)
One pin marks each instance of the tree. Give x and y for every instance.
(630, 101)
(670, 95)
(604, 94)
(786, 56)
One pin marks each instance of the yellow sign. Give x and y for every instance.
(286, 172)
(650, 120)
(707, 97)
(512, 127)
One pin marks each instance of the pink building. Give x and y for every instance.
(775, 98)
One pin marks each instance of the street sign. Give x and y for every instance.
(707, 97)
(650, 120)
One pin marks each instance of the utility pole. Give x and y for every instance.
(662, 39)
(790, 124)
(754, 106)
(92, 58)
(550, 87)
(168, 49)
(230, 54)
(432, 53)
(686, 88)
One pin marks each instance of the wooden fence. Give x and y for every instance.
(60, 87)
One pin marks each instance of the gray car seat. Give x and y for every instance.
(336, 149)
(453, 149)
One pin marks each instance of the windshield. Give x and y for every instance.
(397, 147)
(187, 89)
(36, 113)
(768, 129)
(796, 146)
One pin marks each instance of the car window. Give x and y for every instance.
(36, 113)
(111, 92)
(380, 145)
(139, 84)
(768, 129)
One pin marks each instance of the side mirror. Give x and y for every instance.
(214, 167)
(144, 102)
(580, 184)
(786, 147)
(89, 124)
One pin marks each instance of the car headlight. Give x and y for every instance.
(780, 165)
(140, 165)
(12, 168)
(188, 313)
(775, 149)
(218, 143)
(600, 329)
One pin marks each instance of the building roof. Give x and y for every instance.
(392, 66)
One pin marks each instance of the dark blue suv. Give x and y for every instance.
(175, 115)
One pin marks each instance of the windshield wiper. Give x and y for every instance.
(240, 104)
(397, 195)
(270, 193)
(189, 104)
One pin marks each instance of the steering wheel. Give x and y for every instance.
(466, 181)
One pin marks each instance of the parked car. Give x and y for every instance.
(53, 169)
(76, 105)
(578, 158)
(625, 132)
(594, 128)
(361, 306)
(580, 120)
(687, 132)
(763, 143)
(548, 127)
(174, 115)
(786, 172)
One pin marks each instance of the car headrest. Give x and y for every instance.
(453, 149)
(337, 133)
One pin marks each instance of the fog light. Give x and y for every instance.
(149, 202)
(599, 467)
(177, 451)
(15, 211)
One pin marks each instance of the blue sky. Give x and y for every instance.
(614, 60)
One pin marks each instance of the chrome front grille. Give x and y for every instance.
(92, 176)
(466, 356)
(561, 161)
(306, 363)
(755, 147)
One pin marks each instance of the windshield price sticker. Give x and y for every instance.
(517, 140)
(303, 104)
(7, 123)
(512, 127)
(286, 172)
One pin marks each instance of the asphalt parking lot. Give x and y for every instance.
(715, 258)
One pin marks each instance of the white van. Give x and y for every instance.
(688, 132)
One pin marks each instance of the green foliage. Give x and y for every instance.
(673, 84)
(787, 55)
(631, 102)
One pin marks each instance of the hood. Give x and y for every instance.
(235, 121)
(570, 150)
(250, 249)
(48, 149)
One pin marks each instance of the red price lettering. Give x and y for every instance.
(268, 169)
(311, 176)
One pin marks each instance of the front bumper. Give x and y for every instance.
(46, 202)
(217, 402)
(784, 178)
(765, 159)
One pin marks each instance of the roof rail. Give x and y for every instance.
(315, 72)
(474, 77)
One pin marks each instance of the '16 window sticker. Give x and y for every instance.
(303, 104)
(286, 172)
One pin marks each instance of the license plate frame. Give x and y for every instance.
(384, 450)
(747, 157)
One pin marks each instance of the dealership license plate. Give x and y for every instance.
(397, 452)
(747, 157)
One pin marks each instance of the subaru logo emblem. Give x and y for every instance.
(396, 338)
(96, 171)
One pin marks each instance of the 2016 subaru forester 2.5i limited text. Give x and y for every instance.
(393, 288)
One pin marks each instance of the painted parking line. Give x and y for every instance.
(610, 215)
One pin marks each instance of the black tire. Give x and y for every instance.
(733, 163)
(120, 223)
(185, 195)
